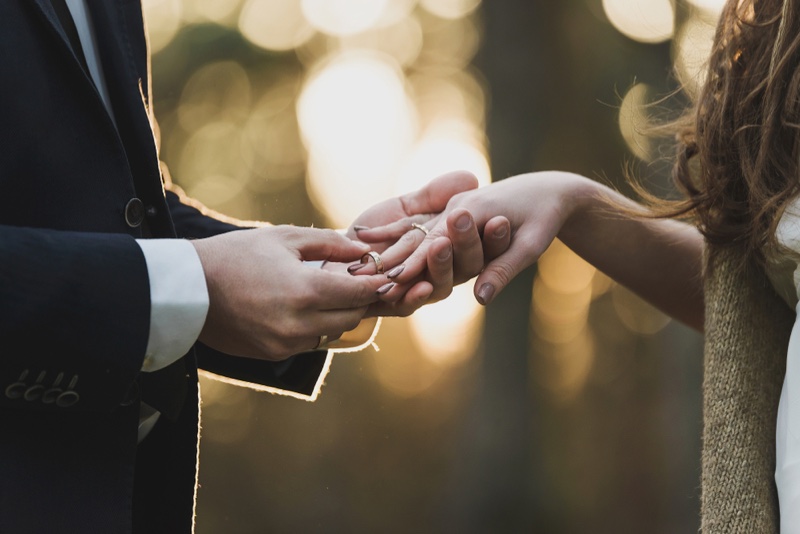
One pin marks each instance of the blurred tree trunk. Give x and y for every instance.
(556, 73)
(498, 486)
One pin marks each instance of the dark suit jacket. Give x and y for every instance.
(74, 293)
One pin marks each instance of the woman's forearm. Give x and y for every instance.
(659, 259)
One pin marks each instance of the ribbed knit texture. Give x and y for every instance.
(747, 328)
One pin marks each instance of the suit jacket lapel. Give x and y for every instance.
(49, 17)
(125, 82)
(121, 42)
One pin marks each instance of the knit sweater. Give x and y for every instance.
(747, 328)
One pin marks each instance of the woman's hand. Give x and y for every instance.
(452, 259)
(661, 260)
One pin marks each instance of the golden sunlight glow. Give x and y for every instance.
(564, 271)
(449, 45)
(272, 140)
(399, 367)
(562, 294)
(274, 24)
(448, 331)
(219, 11)
(711, 6)
(344, 17)
(402, 40)
(228, 408)
(211, 164)
(636, 314)
(563, 368)
(633, 121)
(357, 123)
(163, 19)
(445, 146)
(559, 317)
(450, 9)
(646, 21)
(458, 96)
(691, 50)
(215, 92)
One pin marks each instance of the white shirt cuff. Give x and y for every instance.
(178, 300)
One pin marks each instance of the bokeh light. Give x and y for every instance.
(218, 11)
(450, 9)
(163, 19)
(309, 111)
(447, 332)
(636, 314)
(633, 121)
(275, 24)
(646, 21)
(357, 122)
(711, 6)
(691, 49)
(344, 17)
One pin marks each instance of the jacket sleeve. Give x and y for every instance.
(74, 318)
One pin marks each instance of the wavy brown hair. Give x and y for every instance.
(738, 148)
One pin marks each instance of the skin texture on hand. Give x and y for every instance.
(265, 303)
(661, 260)
(449, 260)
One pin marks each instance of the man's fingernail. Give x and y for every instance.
(385, 288)
(445, 254)
(501, 232)
(485, 294)
(359, 228)
(356, 267)
(396, 271)
(463, 222)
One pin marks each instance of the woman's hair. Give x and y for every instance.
(739, 148)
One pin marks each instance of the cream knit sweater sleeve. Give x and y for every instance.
(747, 329)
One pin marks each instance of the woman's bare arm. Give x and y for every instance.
(661, 260)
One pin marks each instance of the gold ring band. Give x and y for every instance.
(376, 258)
(415, 226)
(323, 341)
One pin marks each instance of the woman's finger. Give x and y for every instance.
(467, 258)
(496, 237)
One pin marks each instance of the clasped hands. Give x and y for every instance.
(266, 303)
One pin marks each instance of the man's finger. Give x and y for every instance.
(338, 291)
(317, 244)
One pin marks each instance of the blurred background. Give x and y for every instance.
(568, 405)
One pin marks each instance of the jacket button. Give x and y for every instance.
(134, 212)
(67, 399)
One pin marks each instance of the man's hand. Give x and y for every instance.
(266, 304)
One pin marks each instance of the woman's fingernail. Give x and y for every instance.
(359, 228)
(445, 254)
(485, 294)
(356, 267)
(385, 288)
(463, 222)
(501, 232)
(396, 271)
